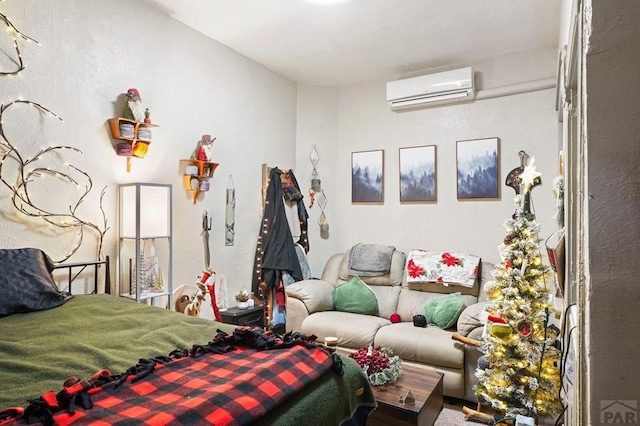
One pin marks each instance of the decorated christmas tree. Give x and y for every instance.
(519, 370)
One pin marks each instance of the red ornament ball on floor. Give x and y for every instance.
(394, 318)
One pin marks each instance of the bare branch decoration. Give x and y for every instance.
(15, 33)
(27, 175)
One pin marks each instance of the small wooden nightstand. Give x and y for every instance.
(253, 316)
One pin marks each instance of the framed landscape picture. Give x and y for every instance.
(478, 169)
(418, 174)
(367, 177)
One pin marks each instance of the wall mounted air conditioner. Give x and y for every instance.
(431, 90)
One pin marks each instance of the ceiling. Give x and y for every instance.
(360, 41)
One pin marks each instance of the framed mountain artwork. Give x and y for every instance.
(418, 178)
(478, 169)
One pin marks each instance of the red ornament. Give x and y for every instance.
(394, 318)
(494, 318)
(524, 327)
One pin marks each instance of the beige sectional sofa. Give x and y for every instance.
(310, 310)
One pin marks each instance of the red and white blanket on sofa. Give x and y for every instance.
(442, 267)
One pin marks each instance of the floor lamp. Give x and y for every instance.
(145, 216)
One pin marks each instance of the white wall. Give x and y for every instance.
(91, 53)
(317, 125)
(364, 122)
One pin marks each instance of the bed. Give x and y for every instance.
(41, 347)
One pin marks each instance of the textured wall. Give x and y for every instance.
(91, 53)
(364, 122)
(612, 67)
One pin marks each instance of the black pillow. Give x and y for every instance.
(26, 283)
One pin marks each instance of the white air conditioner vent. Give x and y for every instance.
(431, 90)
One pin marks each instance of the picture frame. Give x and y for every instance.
(418, 174)
(478, 169)
(367, 177)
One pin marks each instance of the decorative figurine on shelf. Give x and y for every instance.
(147, 116)
(244, 298)
(133, 106)
(204, 151)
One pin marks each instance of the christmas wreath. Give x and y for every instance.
(379, 364)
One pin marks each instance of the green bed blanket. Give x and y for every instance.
(89, 333)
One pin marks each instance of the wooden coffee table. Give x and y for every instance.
(426, 387)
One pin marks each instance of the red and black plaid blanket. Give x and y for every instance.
(233, 380)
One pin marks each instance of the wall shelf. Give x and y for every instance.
(137, 147)
(195, 175)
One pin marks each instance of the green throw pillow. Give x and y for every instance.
(443, 311)
(356, 297)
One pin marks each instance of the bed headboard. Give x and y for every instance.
(75, 269)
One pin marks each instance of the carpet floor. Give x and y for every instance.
(452, 417)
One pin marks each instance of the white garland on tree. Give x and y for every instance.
(519, 372)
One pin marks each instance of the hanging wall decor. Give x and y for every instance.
(28, 175)
(14, 33)
(132, 131)
(317, 192)
(229, 220)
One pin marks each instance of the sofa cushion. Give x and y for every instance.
(472, 317)
(393, 277)
(387, 299)
(412, 302)
(352, 330)
(331, 269)
(430, 345)
(356, 297)
(444, 310)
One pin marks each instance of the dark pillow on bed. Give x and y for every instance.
(26, 283)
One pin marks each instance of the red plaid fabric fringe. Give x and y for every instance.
(233, 380)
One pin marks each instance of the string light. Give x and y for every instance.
(19, 188)
(15, 34)
(522, 377)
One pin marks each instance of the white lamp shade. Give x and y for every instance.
(145, 210)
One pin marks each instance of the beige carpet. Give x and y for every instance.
(451, 417)
(455, 417)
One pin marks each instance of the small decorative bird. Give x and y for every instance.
(133, 106)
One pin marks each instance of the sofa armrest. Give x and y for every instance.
(316, 295)
(471, 356)
(472, 317)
